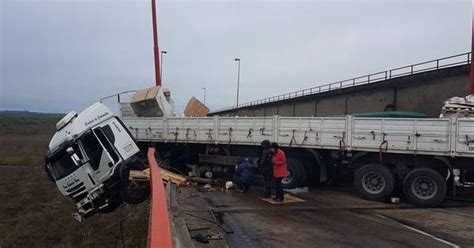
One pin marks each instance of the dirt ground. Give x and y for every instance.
(32, 211)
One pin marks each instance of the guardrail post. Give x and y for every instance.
(385, 74)
(368, 78)
(411, 69)
(437, 64)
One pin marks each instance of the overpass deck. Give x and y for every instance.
(451, 65)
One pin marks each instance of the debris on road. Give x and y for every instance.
(297, 190)
(287, 199)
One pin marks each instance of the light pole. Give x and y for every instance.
(238, 81)
(161, 66)
(204, 89)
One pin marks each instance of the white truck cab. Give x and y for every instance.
(89, 158)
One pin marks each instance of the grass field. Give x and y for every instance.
(24, 137)
(33, 213)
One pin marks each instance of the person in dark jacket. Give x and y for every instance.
(279, 171)
(243, 176)
(266, 165)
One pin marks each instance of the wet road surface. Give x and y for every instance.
(330, 217)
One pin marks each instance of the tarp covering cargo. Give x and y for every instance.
(195, 108)
(152, 102)
(392, 114)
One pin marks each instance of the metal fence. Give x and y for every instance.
(432, 65)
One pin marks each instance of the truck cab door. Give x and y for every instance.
(101, 154)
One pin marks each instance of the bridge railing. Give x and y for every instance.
(431, 65)
(159, 230)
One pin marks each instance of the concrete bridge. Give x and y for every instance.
(419, 87)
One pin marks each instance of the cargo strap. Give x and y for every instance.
(230, 135)
(187, 133)
(209, 134)
(249, 135)
(342, 142)
(293, 139)
(305, 137)
(176, 133)
(383, 147)
(262, 132)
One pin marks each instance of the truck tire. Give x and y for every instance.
(374, 182)
(424, 187)
(296, 174)
(129, 193)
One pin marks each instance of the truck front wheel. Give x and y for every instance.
(374, 182)
(129, 193)
(424, 187)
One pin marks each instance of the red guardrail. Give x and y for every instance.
(159, 230)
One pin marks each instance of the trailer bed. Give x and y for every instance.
(453, 137)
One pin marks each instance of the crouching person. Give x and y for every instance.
(243, 176)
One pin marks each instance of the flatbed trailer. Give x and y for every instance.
(421, 156)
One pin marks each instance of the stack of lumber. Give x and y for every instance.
(137, 176)
(175, 178)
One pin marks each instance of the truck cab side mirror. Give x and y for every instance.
(70, 150)
(76, 159)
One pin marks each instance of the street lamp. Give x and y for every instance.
(161, 66)
(238, 81)
(204, 89)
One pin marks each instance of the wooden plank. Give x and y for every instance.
(137, 176)
(173, 177)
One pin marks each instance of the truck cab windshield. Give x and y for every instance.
(62, 163)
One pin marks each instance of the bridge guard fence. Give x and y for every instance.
(159, 230)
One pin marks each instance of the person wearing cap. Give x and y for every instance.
(243, 175)
(279, 171)
(266, 166)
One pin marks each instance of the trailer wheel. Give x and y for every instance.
(374, 182)
(296, 174)
(424, 187)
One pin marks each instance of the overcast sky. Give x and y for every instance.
(58, 56)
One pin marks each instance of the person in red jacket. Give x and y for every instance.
(279, 171)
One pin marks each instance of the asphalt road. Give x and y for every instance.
(329, 217)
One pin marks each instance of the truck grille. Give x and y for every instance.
(74, 190)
